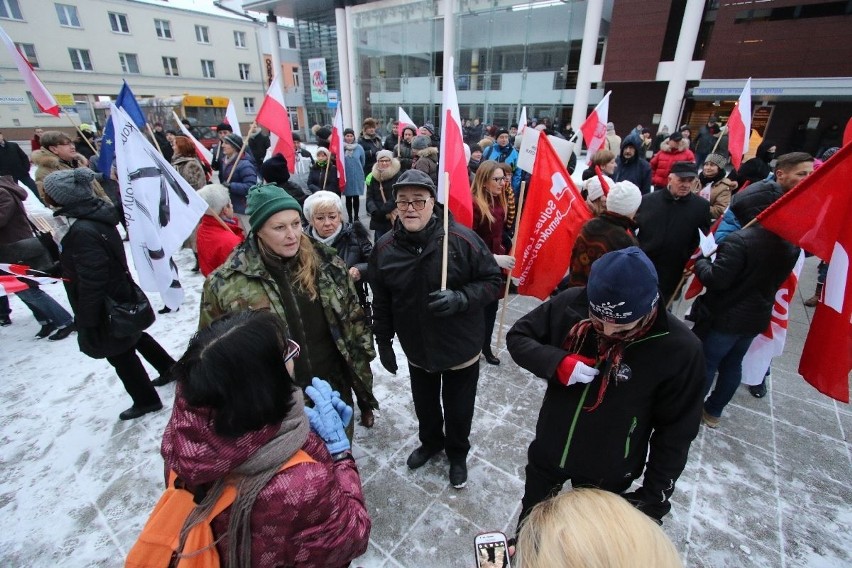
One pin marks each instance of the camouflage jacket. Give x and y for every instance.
(244, 283)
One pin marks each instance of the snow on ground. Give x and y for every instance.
(770, 487)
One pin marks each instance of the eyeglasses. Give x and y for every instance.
(499, 179)
(384, 160)
(293, 350)
(418, 204)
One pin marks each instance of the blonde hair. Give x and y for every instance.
(593, 529)
(307, 264)
(482, 198)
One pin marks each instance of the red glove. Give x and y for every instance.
(576, 369)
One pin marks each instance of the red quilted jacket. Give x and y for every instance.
(311, 514)
(662, 162)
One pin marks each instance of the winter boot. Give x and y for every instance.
(814, 300)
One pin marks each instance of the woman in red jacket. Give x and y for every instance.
(489, 222)
(219, 231)
(238, 416)
(674, 149)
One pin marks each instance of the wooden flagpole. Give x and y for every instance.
(242, 151)
(154, 138)
(511, 253)
(78, 129)
(446, 246)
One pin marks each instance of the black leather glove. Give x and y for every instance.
(443, 303)
(387, 356)
(655, 510)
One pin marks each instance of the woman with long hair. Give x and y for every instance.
(489, 222)
(239, 419)
(186, 162)
(306, 285)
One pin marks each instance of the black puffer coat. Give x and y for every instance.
(380, 201)
(659, 407)
(750, 266)
(406, 267)
(94, 267)
(354, 247)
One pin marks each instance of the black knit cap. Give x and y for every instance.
(274, 170)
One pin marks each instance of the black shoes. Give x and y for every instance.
(63, 332)
(758, 391)
(166, 310)
(420, 456)
(163, 380)
(5, 320)
(137, 411)
(45, 330)
(458, 474)
(489, 357)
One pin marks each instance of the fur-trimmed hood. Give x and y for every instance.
(668, 146)
(44, 158)
(431, 152)
(388, 173)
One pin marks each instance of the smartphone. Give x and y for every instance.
(491, 550)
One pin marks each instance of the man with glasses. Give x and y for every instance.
(58, 152)
(623, 376)
(440, 331)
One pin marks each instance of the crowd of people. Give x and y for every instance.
(299, 297)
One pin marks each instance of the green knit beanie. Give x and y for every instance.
(264, 201)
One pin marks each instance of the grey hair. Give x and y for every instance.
(321, 200)
(216, 196)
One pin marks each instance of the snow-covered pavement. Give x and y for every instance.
(770, 487)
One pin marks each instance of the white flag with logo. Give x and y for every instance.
(161, 209)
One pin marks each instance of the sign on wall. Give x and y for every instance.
(319, 80)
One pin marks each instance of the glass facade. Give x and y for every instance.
(507, 55)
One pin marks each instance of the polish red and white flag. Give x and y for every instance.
(403, 120)
(594, 129)
(273, 115)
(522, 121)
(815, 216)
(337, 148)
(231, 118)
(11, 274)
(204, 155)
(452, 157)
(739, 126)
(42, 96)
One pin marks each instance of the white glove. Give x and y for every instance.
(574, 369)
(505, 261)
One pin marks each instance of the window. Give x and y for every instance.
(240, 39)
(164, 29)
(291, 40)
(296, 80)
(68, 15)
(202, 34)
(170, 66)
(248, 105)
(129, 62)
(9, 9)
(207, 69)
(118, 23)
(80, 59)
(245, 72)
(28, 51)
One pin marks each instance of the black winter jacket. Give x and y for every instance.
(668, 233)
(94, 267)
(636, 169)
(406, 267)
(750, 266)
(380, 202)
(659, 407)
(354, 247)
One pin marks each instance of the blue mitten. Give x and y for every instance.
(326, 417)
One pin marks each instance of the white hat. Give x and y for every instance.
(594, 189)
(624, 199)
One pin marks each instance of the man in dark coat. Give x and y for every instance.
(222, 131)
(163, 142)
(631, 164)
(14, 162)
(624, 384)
(440, 330)
(371, 143)
(668, 222)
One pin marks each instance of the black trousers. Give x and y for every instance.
(545, 480)
(490, 315)
(448, 429)
(129, 369)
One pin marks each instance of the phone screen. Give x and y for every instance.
(492, 554)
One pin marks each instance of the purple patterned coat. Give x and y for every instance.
(311, 514)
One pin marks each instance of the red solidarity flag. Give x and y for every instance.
(815, 215)
(554, 213)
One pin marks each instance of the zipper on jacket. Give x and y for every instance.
(629, 434)
(573, 425)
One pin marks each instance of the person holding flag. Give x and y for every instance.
(353, 160)
(440, 329)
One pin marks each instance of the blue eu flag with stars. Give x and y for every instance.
(127, 102)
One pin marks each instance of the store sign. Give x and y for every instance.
(319, 80)
(332, 98)
(12, 100)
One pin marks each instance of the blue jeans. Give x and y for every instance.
(44, 308)
(723, 352)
